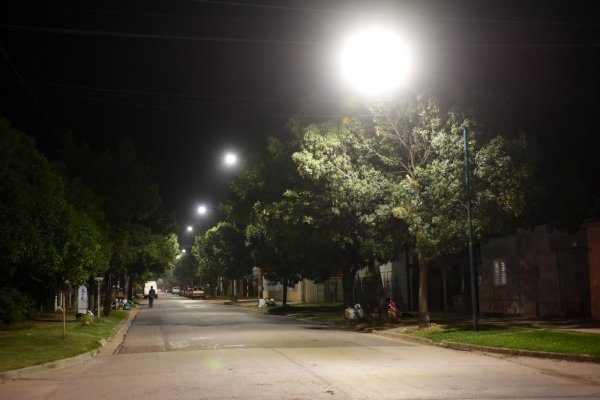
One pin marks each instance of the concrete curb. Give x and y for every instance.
(66, 362)
(522, 353)
(493, 350)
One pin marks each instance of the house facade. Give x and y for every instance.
(539, 272)
(593, 237)
(307, 291)
(536, 273)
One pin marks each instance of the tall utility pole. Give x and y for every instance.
(473, 270)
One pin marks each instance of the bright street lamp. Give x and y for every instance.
(375, 60)
(190, 228)
(202, 209)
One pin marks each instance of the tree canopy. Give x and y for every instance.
(84, 216)
(45, 237)
(221, 252)
(408, 163)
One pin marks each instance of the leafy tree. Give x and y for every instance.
(421, 144)
(46, 238)
(30, 208)
(138, 228)
(286, 240)
(285, 227)
(410, 164)
(355, 197)
(221, 252)
(264, 179)
(210, 267)
(186, 270)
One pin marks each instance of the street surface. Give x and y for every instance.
(194, 349)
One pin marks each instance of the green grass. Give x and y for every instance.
(37, 343)
(510, 337)
(516, 338)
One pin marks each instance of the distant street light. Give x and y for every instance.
(376, 61)
(202, 209)
(190, 228)
(183, 251)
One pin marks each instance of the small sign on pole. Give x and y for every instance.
(82, 300)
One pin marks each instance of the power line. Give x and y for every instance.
(443, 19)
(35, 97)
(320, 10)
(218, 111)
(175, 95)
(131, 35)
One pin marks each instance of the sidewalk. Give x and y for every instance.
(401, 330)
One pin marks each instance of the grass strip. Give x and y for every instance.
(516, 338)
(491, 335)
(39, 343)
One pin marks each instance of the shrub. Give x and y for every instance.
(14, 306)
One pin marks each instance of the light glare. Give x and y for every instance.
(230, 159)
(375, 60)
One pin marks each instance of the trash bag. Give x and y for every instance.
(359, 311)
(350, 313)
(354, 313)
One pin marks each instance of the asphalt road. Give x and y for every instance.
(184, 349)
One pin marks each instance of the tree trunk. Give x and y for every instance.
(348, 283)
(107, 295)
(285, 286)
(379, 301)
(129, 287)
(423, 293)
(234, 290)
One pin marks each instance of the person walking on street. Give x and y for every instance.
(151, 296)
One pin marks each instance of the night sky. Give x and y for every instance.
(189, 80)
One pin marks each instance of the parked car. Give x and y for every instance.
(176, 290)
(195, 293)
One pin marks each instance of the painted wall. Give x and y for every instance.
(593, 233)
(546, 274)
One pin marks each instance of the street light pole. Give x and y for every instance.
(473, 271)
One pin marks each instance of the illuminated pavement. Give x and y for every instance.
(184, 349)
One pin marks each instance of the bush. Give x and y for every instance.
(14, 306)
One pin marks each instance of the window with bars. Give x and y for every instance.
(499, 272)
